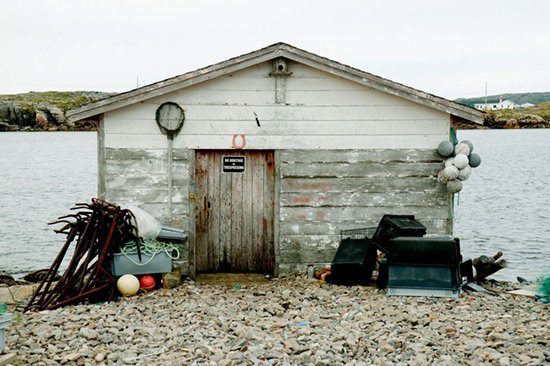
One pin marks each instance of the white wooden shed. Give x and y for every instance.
(279, 151)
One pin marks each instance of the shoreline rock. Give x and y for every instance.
(45, 111)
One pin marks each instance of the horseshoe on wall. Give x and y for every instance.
(234, 142)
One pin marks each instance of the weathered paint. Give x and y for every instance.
(234, 213)
(323, 192)
(345, 154)
(268, 54)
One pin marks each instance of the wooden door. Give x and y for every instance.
(234, 211)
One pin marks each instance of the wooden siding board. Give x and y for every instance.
(145, 113)
(269, 207)
(343, 98)
(213, 204)
(365, 184)
(236, 220)
(225, 217)
(258, 206)
(361, 199)
(134, 154)
(248, 245)
(191, 202)
(333, 214)
(334, 228)
(101, 152)
(296, 127)
(201, 237)
(395, 170)
(367, 155)
(276, 211)
(225, 142)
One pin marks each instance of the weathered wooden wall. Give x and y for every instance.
(321, 112)
(345, 154)
(323, 192)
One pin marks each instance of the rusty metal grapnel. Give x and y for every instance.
(97, 230)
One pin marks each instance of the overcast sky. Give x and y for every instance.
(448, 48)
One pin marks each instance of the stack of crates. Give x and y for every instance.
(417, 265)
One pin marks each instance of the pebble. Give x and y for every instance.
(285, 322)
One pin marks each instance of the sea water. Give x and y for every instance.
(505, 205)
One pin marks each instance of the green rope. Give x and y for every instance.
(454, 139)
(150, 248)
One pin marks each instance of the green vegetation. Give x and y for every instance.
(62, 100)
(542, 109)
(517, 98)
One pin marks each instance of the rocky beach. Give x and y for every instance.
(287, 321)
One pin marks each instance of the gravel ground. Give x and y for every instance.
(286, 322)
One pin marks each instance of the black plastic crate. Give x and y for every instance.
(424, 250)
(353, 262)
(425, 277)
(392, 226)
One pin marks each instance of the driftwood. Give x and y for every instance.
(485, 266)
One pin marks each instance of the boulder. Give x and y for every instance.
(41, 119)
(7, 127)
(15, 114)
(56, 113)
(7, 279)
(39, 275)
(531, 119)
(14, 295)
(511, 123)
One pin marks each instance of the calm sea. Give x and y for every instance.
(505, 205)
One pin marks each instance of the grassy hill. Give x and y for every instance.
(517, 98)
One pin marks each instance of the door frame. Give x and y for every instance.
(192, 202)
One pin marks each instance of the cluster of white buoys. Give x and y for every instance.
(459, 163)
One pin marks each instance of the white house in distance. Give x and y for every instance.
(280, 149)
(494, 106)
(501, 104)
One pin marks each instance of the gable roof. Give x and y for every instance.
(266, 54)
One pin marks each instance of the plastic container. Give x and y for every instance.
(5, 321)
(172, 234)
(427, 266)
(424, 280)
(392, 226)
(353, 262)
(122, 264)
(439, 250)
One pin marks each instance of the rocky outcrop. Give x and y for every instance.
(15, 114)
(532, 121)
(45, 111)
(511, 123)
(498, 120)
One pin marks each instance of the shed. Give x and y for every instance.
(279, 151)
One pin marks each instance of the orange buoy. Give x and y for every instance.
(147, 283)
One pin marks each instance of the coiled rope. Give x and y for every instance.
(150, 248)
